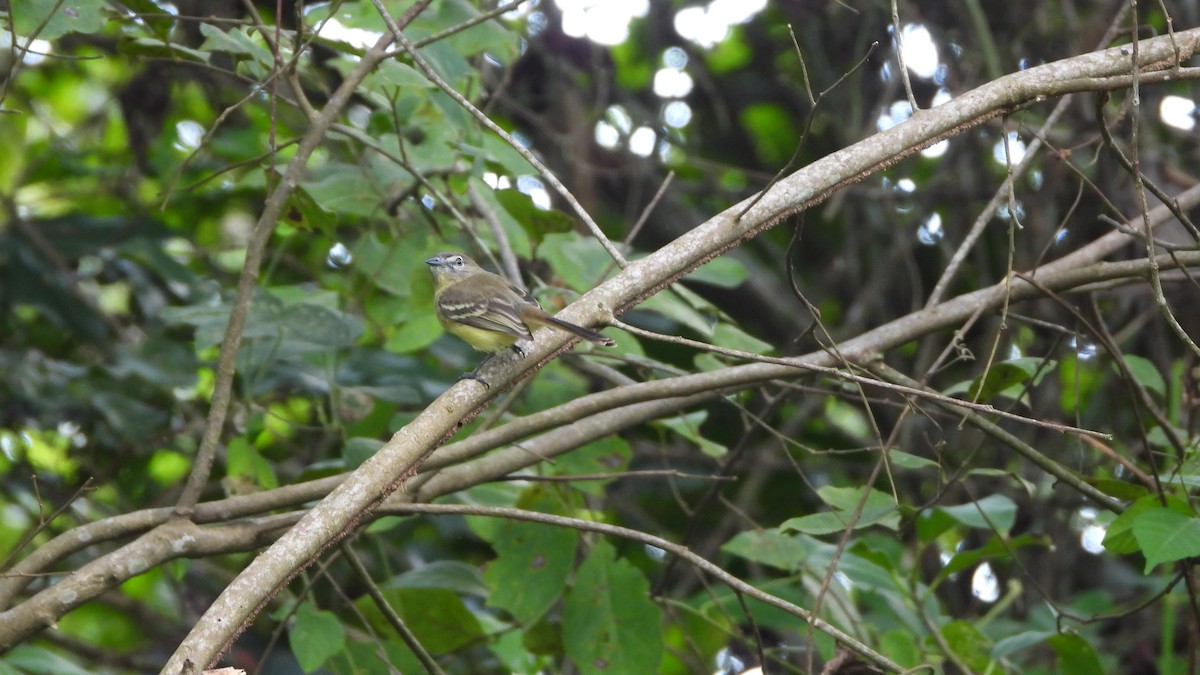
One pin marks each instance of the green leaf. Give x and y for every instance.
(1007, 378)
(512, 220)
(341, 189)
(395, 268)
(72, 16)
(723, 271)
(531, 569)
(166, 467)
(504, 156)
(634, 70)
(490, 36)
(1001, 513)
(1146, 374)
(29, 658)
(544, 638)
(303, 212)
(730, 54)
(448, 574)
(289, 321)
(441, 148)
(243, 461)
(773, 130)
(358, 450)
(392, 75)
(970, 645)
(880, 508)
(1166, 535)
(609, 455)
(453, 68)
(12, 135)
(688, 426)
(159, 23)
(1121, 489)
(415, 333)
(1075, 655)
(769, 547)
(375, 656)
(846, 499)
(515, 653)
(847, 418)
(931, 523)
(536, 221)
(1119, 536)
(313, 327)
(670, 304)
(580, 262)
(994, 549)
(238, 40)
(437, 616)
(905, 460)
(1078, 381)
(315, 636)
(46, 450)
(115, 628)
(1016, 643)
(610, 624)
(729, 335)
(899, 646)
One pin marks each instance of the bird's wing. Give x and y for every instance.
(523, 294)
(496, 309)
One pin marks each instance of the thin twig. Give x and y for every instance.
(389, 613)
(508, 258)
(994, 430)
(844, 375)
(808, 119)
(898, 41)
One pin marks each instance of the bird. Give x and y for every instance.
(489, 312)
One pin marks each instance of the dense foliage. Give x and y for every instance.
(938, 410)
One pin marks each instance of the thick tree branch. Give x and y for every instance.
(177, 538)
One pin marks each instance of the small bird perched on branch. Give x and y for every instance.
(489, 312)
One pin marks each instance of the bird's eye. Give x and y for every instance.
(457, 261)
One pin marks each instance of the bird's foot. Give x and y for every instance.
(474, 375)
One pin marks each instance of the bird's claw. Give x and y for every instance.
(474, 375)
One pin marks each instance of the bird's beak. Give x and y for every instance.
(435, 261)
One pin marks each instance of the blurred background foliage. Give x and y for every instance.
(138, 141)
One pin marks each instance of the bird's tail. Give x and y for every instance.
(585, 333)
